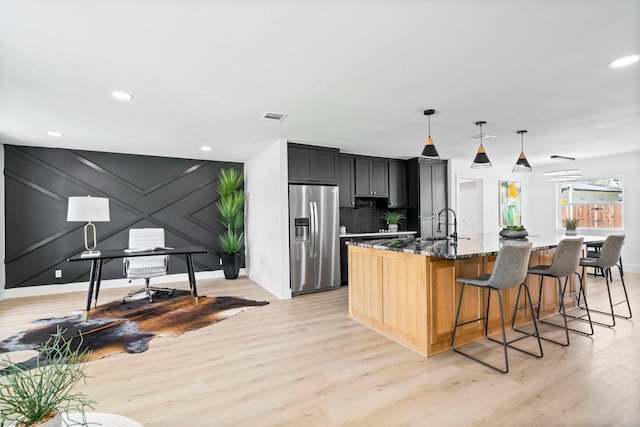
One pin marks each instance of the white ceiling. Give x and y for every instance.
(355, 75)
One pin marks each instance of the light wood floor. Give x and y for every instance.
(304, 362)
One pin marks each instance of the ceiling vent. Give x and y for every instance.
(273, 116)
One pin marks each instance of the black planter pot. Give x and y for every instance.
(230, 265)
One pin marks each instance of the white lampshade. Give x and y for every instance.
(87, 208)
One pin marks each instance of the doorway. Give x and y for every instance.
(470, 207)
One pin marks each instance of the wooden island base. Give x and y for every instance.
(411, 298)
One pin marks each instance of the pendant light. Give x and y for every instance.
(481, 160)
(522, 165)
(430, 149)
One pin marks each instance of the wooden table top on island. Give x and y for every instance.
(405, 288)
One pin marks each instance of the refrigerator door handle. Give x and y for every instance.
(316, 238)
(314, 229)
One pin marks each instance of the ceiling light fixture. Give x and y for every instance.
(564, 178)
(55, 134)
(124, 96)
(481, 160)
(430, 149)
(563, 174)
(522, 165)
(624, 61)
(205, 148)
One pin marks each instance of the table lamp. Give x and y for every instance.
(90, 209)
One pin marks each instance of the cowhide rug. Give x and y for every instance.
(128, 327)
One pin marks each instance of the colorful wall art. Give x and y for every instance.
(510, 203)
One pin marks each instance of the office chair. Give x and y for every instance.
(509, 271)
(146, 267)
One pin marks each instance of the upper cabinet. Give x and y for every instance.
(312, 165)
(372, 177)
(397, 184)
(346, 181)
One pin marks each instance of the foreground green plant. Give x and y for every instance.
(29, 395)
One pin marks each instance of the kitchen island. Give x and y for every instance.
(405, 288)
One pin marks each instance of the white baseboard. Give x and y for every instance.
(274, 289)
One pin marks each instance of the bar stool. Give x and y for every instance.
(509, 271)
(565, 263)
(593, 251)
(609, 256)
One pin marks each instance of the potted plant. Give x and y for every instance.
(38, 396)
(570, 226)
(393, 218)
(231, 208)
(514, 232)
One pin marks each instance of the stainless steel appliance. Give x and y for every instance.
(313, 238)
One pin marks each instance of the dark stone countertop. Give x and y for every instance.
(378, 234)
(465, 247)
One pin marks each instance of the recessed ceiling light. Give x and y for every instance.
(122, 95)
(205, 148)
(55, 134)
(624, 61)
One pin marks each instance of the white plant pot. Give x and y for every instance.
(571, 232)
(53, 422)
(393, 228)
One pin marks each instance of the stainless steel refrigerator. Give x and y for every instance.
(313, 238)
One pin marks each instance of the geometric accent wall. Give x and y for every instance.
(143, 191)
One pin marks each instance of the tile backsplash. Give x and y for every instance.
(366, 217)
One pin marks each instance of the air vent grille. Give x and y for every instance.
(278, 117)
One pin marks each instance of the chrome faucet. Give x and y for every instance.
(454, 235)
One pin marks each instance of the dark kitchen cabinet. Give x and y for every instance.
(346, 181)
(427, 195)
(372, 177)
(312, 165)
(397, 184)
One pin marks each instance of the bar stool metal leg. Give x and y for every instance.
(504, 341)
(612, 313)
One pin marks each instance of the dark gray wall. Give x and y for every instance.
(144, 191)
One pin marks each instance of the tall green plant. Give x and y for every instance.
(29, 395)
(231, 208)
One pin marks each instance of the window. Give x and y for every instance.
(597, 202)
